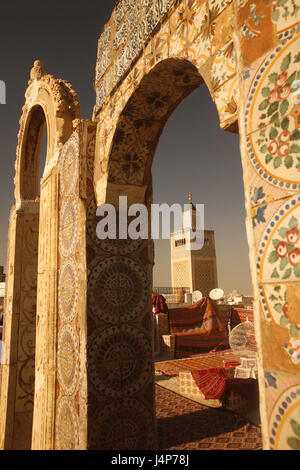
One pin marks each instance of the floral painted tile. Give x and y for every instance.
(199, 53)
(188, 21)
(132, 80)
(158, 48)
(128, 167)
(273, 298)
(274, 91)
(223, 29)
(261, 193)
(261, 216)
(226, 99)
(274, 152)
(219, 5)
(284, 424)
(224, 65)
(199, 50)
(208, 21)
(276, 300)
(279, 251)
(257, 32)
(282, 400)
(285, 14)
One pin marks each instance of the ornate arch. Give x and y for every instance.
(51, 102)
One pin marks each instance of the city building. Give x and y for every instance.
(193, 269)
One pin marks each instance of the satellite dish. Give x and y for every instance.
(216, 294)
(196, 296)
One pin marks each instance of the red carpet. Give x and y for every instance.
(186, 425)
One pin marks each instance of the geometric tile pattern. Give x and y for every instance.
(68, 364)
(119, 349)
(189, 33)
(143, 118)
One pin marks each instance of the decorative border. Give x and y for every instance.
(285, 405)
(270, 230)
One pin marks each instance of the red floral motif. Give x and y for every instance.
(286, 253)
(293, 236)
(284, 136)
(284, 150)
(273, 147)
(281, 249)
(281, 146)
(208, 24)
(281, 90)
(281, 79)
(294, 256)
(273, 96)
(186, 18)
(285, 309)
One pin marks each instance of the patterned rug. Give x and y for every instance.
(197, 328)
(201, 362)
(183, 424)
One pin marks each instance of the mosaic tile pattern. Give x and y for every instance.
(124, 424)
(192, 27)
(143, 118)
(118, 290)
(68, 360)
(68, 226)
(68, 367)
(68, 291)
(285, 15)
(120, 368)
(67, 428)
(126, 355)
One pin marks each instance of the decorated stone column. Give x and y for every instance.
(29, 370)
(267, 40)
(17, 385)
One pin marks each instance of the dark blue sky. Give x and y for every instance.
(193, 154)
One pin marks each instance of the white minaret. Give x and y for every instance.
(196, 269)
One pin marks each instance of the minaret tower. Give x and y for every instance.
(196, 269)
